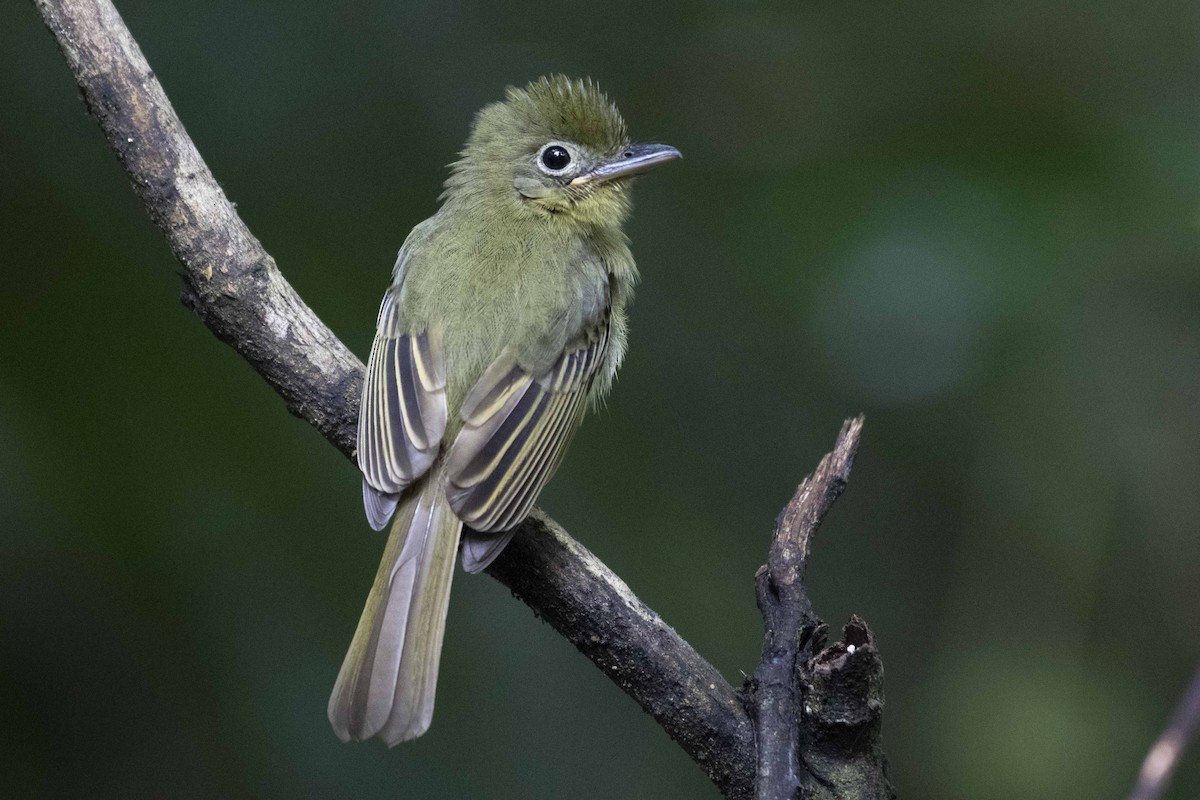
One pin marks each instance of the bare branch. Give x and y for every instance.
(229, 280)
(817, 710)
(238, 292)
(1163, 758)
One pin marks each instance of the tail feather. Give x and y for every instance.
(388, 680)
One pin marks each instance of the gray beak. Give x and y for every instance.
(633, 159)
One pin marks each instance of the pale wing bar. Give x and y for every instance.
(515, 433)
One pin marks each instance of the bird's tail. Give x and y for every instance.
(387, 682)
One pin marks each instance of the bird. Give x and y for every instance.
(505, 319)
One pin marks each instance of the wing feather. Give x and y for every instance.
(539, 470)
(516, 427)
(403, 413)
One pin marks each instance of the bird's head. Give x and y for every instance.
(556, 148)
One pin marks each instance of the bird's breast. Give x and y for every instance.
(532, 299)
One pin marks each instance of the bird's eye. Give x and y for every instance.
(556, 158)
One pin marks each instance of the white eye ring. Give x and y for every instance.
(556, 158)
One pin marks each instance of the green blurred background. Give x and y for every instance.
(977, 223)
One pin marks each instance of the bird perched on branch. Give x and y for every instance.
(505, 318)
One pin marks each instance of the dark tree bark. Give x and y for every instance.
(815, 711)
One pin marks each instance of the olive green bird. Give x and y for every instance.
(504, 319)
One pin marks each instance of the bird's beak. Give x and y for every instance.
(633, 159)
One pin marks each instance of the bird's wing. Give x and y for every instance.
(403, 412)
(516, 427)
